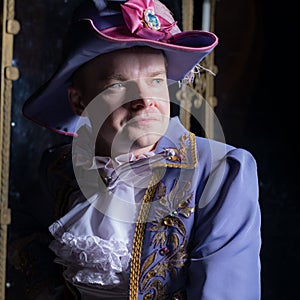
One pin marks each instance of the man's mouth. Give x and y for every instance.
(144, 119)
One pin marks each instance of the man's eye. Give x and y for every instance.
(117, 85)
(157, 81)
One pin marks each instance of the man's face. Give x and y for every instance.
(125, 94)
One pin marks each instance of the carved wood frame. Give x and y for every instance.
(10, 27)
(204, 86)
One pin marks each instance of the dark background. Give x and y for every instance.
(256, 88)
(257, 107)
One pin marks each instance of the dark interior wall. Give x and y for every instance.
(257, 106)
(37, 51)
(256, 94)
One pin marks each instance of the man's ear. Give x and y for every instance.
(75, 100)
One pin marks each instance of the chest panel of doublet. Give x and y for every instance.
(164, 253)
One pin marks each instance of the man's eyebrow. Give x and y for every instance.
(156, 73)
(118, 77)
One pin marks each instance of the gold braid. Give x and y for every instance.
(139, 235)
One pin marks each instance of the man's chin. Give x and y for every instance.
(132, 138)
(137, 144)
(146, 141)
(147, 134)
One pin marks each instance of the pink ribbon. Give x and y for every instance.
(133, 14)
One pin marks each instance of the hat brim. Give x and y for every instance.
(49, 106)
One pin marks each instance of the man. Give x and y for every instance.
(146, 210)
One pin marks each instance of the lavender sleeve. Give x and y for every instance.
(225, 254)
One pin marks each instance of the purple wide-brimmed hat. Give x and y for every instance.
(102, 26)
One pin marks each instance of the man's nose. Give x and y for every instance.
(142, 103)
(139, 93)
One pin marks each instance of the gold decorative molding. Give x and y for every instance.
(10, 27)
(185, 103)
(187, 14)
(209, 63)
(203, 82)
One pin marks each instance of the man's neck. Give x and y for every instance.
(100, 151)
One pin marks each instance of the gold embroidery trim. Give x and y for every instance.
(185, 166)
(139, 237)
(141, 222)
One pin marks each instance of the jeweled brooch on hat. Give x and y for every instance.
(151, 20)
(142, 20)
